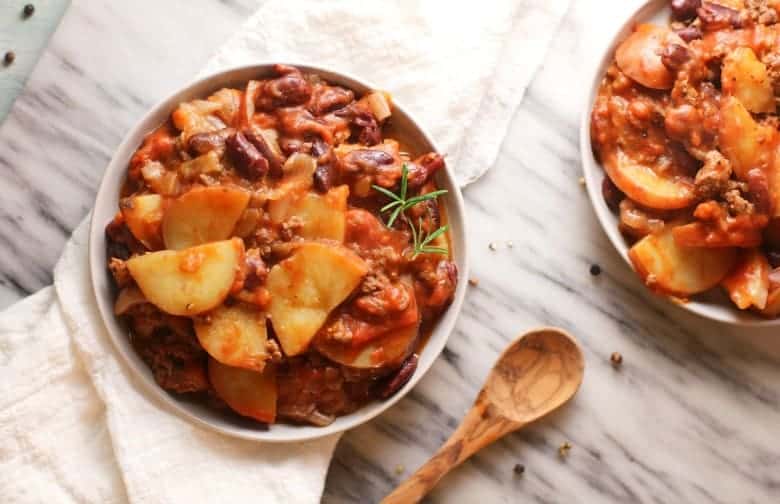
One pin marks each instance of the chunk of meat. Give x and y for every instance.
(713, 177)
(714, 17)
(436, 280)
(203, 143)
(423, 168)
(119, 271)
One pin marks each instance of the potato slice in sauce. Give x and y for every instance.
(666, 189)
(671, 269)
(746, 78)
(748, 283)
(203, 215)
(248, 393)
(191, 281)
(235, 336)
(144, 215)
(306, 287)
(322, 216)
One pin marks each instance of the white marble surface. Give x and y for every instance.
(692, 416)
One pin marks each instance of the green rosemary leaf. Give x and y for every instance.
(435, 234)
(404, 181)
(395, 215)
(386, 192)
(390, 205)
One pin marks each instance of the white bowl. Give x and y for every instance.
(713, 305)
(404, 128)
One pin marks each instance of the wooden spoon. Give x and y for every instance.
(536, 374)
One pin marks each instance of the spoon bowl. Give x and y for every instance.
(535, 375)
(539, 372)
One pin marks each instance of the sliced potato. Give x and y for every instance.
(711, 235)
(772, 308)
(748, 283)
(745, 77)
(143, 215)
(746, 143)
(382, 354)
(669, 268)
(322, 215)
(306, 287)
(639, 56)
(647, 186)
(248, 393)
(203, 215)
(204, 164)
(190, 281)
(235, 336)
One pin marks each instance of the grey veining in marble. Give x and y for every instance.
(693, 415)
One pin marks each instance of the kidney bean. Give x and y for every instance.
(758, 191)
(365, 160)
(612, 195)
(275, 160)
(329, 98)
(324, 178)
(421, 170)
(773, 256)
(289, 90)
(202, 143)
(400, 378)
(689, 33)
(674, 56)
(717, 17)
(246, 156)
(684, 9)
(366, 128)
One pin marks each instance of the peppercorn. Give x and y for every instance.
(9, 58)
(595, 269)
(29, 10)
(519, 469)
(616, 359)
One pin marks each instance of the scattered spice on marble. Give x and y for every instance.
(399, 469)
(492, 246)
(519, 469)
(9, 58)
(473, 282)
(616, 359)
(28, 10)
(564, 449)
(581, 180)
(595, 269)
(509, 244)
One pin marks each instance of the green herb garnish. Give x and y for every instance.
(400, 204)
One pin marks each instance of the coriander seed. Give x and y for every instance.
(563, 450)
(616, 359)
(595, 269)
(473, 282)
(9, 58)
(28, 10)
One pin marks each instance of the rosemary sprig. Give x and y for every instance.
(399, 204)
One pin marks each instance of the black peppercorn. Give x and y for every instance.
(519, 469)
(29, 10)
(9, 58)
(595, 269)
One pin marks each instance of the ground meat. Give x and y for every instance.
(119, 271)
(760, 12)
(713, 177)
(382, 297)
(736, 203)
(772, 62)
(290, 228)
(120, 242)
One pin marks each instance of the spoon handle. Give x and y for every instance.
(480, 427)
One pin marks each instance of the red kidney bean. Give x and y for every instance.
(288, 90)
(202, 143)
(758, 190)
(329, 98)
(689, 33)
(366, 128)
(773, 256)
(246, 156)
(675, 56)
(275, 161)
(324, 178)
(365, 160)
(400, 378)
(684, 9)
(612, 195)
(421, 170)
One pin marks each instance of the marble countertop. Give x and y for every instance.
(693, 415)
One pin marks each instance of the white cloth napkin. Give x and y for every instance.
(74, 427)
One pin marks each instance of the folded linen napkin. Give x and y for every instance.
(74, 425)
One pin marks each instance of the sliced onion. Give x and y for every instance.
(379, 104)
(128, 298)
